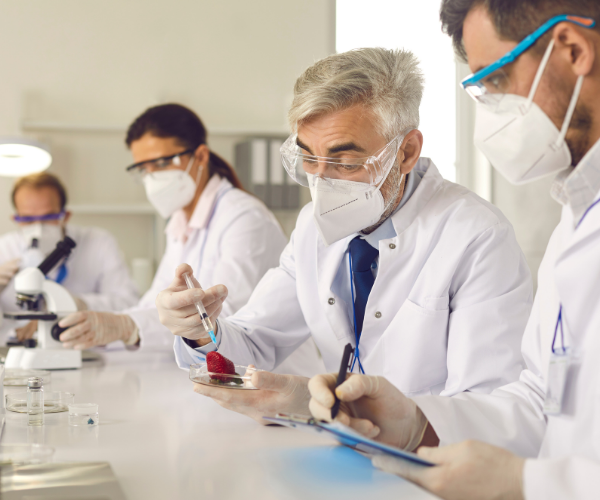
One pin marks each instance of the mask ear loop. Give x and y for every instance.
(570, 111)
(539, 74)
(399, 139)
(189, 167)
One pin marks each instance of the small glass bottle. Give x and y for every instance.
(35, 401)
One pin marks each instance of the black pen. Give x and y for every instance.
(341, 378)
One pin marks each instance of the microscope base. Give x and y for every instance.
(43, 359)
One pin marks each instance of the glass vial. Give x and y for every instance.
(35, 401)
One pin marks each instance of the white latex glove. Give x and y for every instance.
(92, 328)
(7, 270)
(467, 470)
(371, 406)
(176, 308)
(277, 394)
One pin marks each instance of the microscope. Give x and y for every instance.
(33, 289)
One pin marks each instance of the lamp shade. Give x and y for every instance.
(21, 156)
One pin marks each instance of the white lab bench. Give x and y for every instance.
(163, 441)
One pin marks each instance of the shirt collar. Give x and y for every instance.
(178, 226)
(578, 186)
(386, 230)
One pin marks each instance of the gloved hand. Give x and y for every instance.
(372, 406)
(27, 331)
(176, 308)
(92, 328)
(80, 303)
(7, 270)
(467, 470)
(279, 393)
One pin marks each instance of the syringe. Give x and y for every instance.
(206, 323)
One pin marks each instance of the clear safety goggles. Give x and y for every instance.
(140, 169)
(489, 85)
(30, 219)
(371, 170)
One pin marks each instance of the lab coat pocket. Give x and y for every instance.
(415, 346)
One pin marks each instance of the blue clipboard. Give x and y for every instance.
(346, 436)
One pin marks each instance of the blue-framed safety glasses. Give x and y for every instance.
(28, 219)
(489, 84)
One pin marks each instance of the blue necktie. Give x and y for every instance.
(363, 255)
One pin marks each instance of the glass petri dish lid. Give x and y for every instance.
(25, 454)
(240, 380)
(54, 402)
(18, 376)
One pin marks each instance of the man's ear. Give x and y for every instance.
(410, 151)
(576, 45)
(67, 216)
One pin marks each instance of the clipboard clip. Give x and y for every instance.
(298, 419)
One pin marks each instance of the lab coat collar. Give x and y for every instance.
(578, 187)
(330, 257)
(386, 231)
(431, 183)
(179, 226)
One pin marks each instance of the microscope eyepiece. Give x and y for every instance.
(62, 250)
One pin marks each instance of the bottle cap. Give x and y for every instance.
(34, 382)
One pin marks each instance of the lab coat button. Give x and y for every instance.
(378, 315)
(392, 246)
(331, 301)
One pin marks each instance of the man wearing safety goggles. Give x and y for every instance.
(95, 273)
(407, 267)
(537, 83)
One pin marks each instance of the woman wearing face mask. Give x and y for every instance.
(226, 235)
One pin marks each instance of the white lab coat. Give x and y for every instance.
(453, 292)
(568, 445)
(97, 272)
(243, 241)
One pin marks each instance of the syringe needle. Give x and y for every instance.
(206, 323)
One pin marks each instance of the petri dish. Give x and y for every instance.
(25, 454)
(17, 376)
(83, 414)
(241, 380)
(54, 402)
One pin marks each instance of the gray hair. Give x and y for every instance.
(388, 82)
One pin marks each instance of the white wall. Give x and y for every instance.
(391, 24)
(76, 73)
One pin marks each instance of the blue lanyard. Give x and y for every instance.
(210, 218)
(559, 323)
(356, 355)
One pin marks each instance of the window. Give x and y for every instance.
(413, 26)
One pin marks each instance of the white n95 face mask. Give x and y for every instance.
(341, 208)
(170, 190)
(519, 139)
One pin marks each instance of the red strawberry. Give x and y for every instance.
(217, 363)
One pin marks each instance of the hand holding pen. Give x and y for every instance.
(345, 364)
